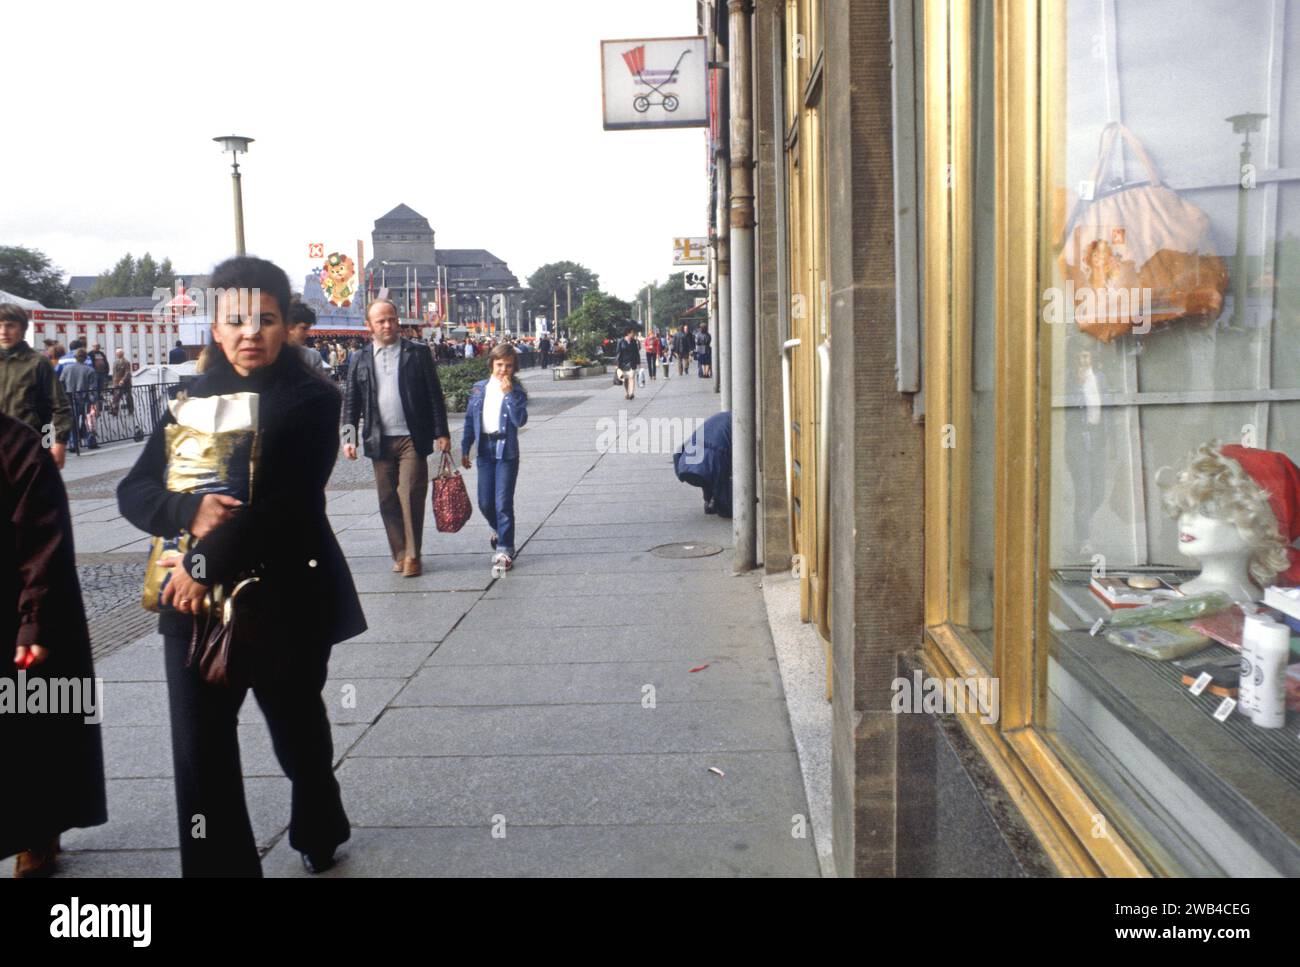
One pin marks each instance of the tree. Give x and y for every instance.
(546, 288)
(601, 316)
(117, 281)
(670, 299)
(27, 273)
(133, 278)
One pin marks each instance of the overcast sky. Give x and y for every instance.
(483, 116)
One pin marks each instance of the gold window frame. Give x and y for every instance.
(1076, 834)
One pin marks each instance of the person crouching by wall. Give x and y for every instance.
(498, 407)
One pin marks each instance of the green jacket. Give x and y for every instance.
(30, 392)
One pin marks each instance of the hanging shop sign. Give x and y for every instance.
(658, 83)
(690, 251)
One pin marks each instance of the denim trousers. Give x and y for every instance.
(496, 498)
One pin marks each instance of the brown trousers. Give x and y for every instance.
(402, 479)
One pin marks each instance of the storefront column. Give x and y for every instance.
(877, 450)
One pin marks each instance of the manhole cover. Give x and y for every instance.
(685, 550)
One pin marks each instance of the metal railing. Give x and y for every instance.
(115, 415)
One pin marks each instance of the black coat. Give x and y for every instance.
(53, 765)
(284, 528)
(422, 400)
(629, 354)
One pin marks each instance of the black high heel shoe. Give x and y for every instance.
(318, 862)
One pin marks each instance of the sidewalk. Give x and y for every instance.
(546, 723)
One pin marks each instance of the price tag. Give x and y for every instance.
(1198, 686)
(1225, 709)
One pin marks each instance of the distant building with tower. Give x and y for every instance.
(405, 255)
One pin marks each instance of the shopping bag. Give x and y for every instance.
(1146, 254)
(451, 505)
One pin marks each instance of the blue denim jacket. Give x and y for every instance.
(514, 414)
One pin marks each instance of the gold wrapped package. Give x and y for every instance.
(212, 448)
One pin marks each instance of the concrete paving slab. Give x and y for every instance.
(573, 789)
(376, 659)
(413, 616)
(635, 607)
(601, 644)
(538, 730)
(142, 815)
(120, 864)
(140, 661)
(764, 849)
(145, 751)
(668, 587)
(591, 682)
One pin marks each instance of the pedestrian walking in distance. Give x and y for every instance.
(498, 407)
(627, 361)
(53, 762)
(704, 352)
(30, 391)
(285, 535)
(394, 395)
(682, 347)
(651, 351)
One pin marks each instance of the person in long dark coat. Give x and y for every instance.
(313, 602)
(705, 462)
(53, 764)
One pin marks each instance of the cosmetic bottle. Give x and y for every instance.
(1272, 647)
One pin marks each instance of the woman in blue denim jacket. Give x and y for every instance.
(498, 407)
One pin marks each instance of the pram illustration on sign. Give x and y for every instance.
(656, 80)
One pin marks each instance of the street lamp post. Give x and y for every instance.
(236, 144)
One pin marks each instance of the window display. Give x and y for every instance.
(1170, 246)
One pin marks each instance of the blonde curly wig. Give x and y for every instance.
(1217, 487)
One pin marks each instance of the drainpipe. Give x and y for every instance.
(741, 324)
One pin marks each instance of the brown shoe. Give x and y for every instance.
(399, 566)
(412, 568)
(34, 863)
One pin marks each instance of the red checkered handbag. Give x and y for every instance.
(451, 506)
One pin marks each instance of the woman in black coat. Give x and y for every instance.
(285, 533)
(53, 765)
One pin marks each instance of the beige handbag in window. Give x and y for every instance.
(1139, 257)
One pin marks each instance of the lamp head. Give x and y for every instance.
(234, 143)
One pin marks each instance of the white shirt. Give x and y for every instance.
(392, 418)
(492, 403)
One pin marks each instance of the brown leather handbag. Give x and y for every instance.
(223, 640)
(451, 506)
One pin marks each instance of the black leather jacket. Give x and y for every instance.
(629, 354)
(422, 400)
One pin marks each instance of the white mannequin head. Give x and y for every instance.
(1225, 523)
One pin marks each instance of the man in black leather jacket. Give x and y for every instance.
(394, 395)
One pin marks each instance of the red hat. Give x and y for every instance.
(1279, 478)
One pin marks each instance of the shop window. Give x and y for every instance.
(1169, 244)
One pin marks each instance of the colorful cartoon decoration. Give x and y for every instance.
(338, 281)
